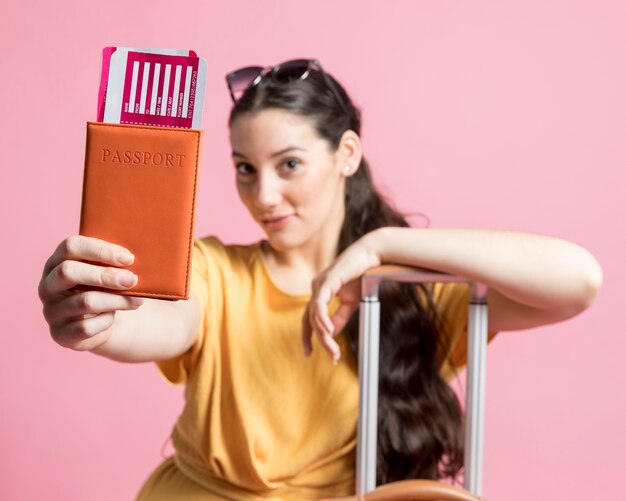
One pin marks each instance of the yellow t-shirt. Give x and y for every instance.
(261, 421)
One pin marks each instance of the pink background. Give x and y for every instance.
(502, 114)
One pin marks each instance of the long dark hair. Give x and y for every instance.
(419, 416)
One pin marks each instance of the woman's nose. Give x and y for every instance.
(268, 193)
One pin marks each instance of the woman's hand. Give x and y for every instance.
(533, 279)
(341, 279)
(83, 320)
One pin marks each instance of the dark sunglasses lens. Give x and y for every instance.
(291, 70)
(241, 79)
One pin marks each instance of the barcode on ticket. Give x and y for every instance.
(159, 90)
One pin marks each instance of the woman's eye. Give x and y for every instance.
(244, 169)
(291, 164)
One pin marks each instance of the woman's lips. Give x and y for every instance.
(276, 223)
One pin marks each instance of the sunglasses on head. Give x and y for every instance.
(296, 69)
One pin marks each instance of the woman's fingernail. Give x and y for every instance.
(128, 280)
(124, 258)
(136, 301)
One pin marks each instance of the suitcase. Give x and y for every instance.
(369, 325)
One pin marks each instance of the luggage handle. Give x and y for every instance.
(369, 322)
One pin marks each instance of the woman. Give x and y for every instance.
(261, 421)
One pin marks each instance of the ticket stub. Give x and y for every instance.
(163, 87)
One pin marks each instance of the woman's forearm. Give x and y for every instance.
(157, 330)
(533, 279)
(535, 270)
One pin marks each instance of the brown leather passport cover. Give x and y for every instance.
(139, 191)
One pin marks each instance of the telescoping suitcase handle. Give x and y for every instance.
(369, 332)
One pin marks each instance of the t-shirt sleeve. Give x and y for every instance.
(177, 370)
(452, 304)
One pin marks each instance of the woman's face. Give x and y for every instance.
(288, 178)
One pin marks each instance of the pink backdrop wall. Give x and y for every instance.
(507, 114)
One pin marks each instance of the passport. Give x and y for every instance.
(139, 191)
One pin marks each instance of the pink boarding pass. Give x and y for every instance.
(162, 87)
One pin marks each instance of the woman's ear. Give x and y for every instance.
(348, 154)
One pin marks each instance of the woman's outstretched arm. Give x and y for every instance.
(533, 279)
(123, 328)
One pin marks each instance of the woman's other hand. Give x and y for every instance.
(341, 279)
